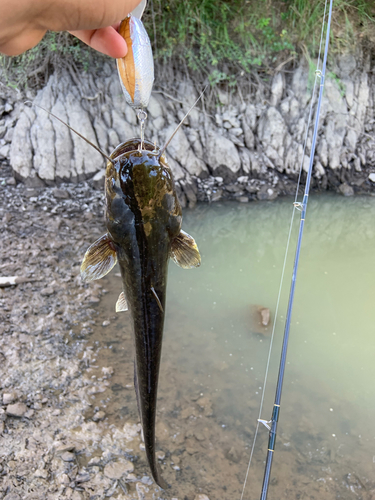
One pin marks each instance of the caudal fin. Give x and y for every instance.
(149, 438)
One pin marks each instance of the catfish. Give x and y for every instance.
(143, 218)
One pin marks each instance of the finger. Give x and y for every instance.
(17, 43)
(105, 40)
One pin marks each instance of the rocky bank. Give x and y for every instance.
(247, 147)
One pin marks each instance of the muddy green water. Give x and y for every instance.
(215, 352)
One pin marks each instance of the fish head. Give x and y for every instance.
(141, 194)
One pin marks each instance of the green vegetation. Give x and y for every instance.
(54, 51)
(220, 39)
(223, 38)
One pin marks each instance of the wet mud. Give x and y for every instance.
(69, 427)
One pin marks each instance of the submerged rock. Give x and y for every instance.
(346, 190)
(116, 470)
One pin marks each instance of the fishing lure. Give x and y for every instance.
(136, 69)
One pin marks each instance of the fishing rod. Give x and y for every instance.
(272, 424)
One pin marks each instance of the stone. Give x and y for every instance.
(46, 292)
(142, 491)
(146, 480)
(107, 370)
(98, 416)
(201, 496)
(346, 190)
(371, 178)
(319, 170)
(277, 89)
(63, 479)
(351, 139)
(248, 135)
(12, 496)
(11, 181)
(101, 133)
(41, 473)
(8, 107)
(4, 152)
(220, 152)
(98, 179)
(233, 455)
(16, 410)
(155, 106)
(86, 161)
(63, 144)
(265, 315)
(250, 116)
(67, 456)
(115, 470)
(323, 152)
(9, 397)
(131, 430)
(60, 194)
(272, 129)
(42, 137)
(300, 82)
(216, 194)
(21, 153)
(162, 430)
(267, 193)
(347, 63)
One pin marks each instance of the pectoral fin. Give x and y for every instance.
(121, 304)
(185, 252)
(99, 259)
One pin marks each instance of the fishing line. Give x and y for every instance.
(295, 205)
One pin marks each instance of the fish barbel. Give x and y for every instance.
(143, 219)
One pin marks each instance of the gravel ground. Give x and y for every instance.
(47, 447)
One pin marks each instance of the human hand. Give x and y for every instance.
(23, 23)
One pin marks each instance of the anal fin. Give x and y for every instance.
(121, 304)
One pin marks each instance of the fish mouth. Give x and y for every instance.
(132, 146)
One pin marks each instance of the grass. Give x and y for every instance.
(219, 40)
(248, 34)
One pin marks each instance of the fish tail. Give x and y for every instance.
(154, 466)
(149, 438)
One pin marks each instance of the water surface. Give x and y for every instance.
(215, 353)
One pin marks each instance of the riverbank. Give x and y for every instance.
(245, 146)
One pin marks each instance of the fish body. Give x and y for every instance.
(143, 219)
